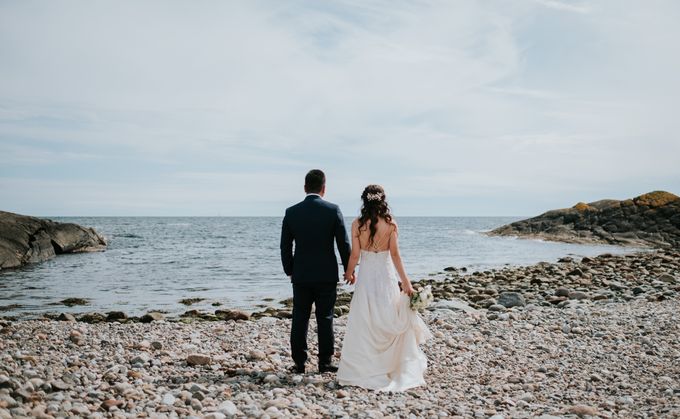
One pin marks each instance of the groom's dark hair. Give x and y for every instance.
(314, 181)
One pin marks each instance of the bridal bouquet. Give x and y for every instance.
(421, 298)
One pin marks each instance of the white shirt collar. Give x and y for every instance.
(314, 194)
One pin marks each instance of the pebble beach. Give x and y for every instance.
(597, 337)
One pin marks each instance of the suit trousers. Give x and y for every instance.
(323, 296)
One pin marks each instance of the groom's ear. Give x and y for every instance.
(323, 190)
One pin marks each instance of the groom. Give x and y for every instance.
(313, 224)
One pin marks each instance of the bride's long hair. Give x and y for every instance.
(374, 207)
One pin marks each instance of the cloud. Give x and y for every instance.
(565, 6)
(434, 99)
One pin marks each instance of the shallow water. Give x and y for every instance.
(153, 262)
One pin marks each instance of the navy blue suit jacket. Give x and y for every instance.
(313, 224)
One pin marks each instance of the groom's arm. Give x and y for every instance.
(287, 246)
(342, 239)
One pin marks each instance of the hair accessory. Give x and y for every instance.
(374, 196)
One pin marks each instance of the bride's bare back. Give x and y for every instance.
(381, 240)
(385, 239)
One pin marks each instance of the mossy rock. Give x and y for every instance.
(582, 206)
(113, 316)
(344, 298)
(92, 318)
(232, 315)
(340, 311)
(190, 301)
(627, 203)
(647, 220)
(284, 314)
(151, 317)
(10, 307)
(655, 199)
(70, 302)
(198, 315)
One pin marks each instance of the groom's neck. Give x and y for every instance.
(321, 193)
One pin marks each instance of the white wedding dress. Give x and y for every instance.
(381, 347)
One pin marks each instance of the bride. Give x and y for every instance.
(380, 350)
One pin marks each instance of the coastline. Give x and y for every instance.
(449, 283)
(594, 337)
(145, 270)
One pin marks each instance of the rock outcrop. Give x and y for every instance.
(652, 219)
(25, 239)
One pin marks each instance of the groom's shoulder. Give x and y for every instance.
(304, 204)
(294, 207)
(307, 205)
(329, 205)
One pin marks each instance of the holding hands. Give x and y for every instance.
(350, 278)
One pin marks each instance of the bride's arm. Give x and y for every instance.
(354, 256)
(396, 259)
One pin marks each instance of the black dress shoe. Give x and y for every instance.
(297, 369)
(327, 368)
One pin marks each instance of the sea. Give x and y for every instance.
(152, 263)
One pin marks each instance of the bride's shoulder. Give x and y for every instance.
(355, 224)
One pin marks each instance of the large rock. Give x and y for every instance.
(511, 299)
(25, 239)
(198, 359)
(152, 316)
(652, 219)
(232, 315)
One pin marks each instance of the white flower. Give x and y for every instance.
(422, 298)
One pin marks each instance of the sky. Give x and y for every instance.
(458, 108)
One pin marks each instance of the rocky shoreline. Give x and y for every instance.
(653, 275)
(590, 337)
(25, 239)
(648, 220)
